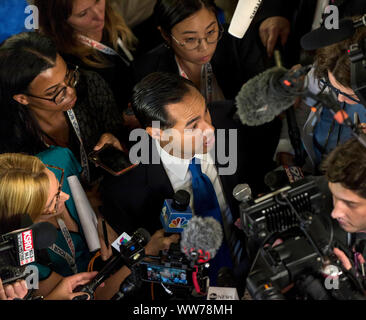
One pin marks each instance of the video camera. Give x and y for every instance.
(303, 266)
(19, 248)
(357, 55)
(173, 270)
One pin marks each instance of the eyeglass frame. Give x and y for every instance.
(337, 91)
(220, 31)
(58, 194)
(75, 73)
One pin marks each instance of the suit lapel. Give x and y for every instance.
(157, 178)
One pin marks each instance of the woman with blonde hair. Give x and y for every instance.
(28, 186)
(89, 33)
(38, 186)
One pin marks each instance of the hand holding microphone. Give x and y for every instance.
(271, 29)
(159, 242)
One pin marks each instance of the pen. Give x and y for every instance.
(105, 233)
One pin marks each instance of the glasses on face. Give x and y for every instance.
(58, 194)
(71, 80)
(339, 92)
(193, 43)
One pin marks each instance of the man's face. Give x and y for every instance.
(193, 132)
(349, 208)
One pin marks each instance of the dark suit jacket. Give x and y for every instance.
(235, 61)
(135, 199)
(300, 13)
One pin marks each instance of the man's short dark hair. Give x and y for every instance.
(153, 93)
(346, 165)
(334, 58)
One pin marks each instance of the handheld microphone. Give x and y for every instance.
(17, 248)
(130, 254)
(129, 286)
(176, 212)
(283, 176)
(201, 239)
(242, 192)
(323, 37)
(244, 14)
(279, 89)
(24, 241)
(268, 94)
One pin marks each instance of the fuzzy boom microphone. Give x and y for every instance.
(201, 239)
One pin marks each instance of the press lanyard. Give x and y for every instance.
(107, 50)
(206, 77)
(56, 249)
(85, 174)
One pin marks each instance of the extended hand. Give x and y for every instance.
(272, 28)
(110, 139)
(158, 242)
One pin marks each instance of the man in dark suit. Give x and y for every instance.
(184, 132)
(135, 199)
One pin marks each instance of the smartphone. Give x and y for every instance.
(166, 275)
(115, 161)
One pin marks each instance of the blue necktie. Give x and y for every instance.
(206, 205)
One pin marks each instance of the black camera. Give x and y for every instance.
(173, 270)
(303, 266)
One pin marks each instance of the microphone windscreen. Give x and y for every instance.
(323, 37)
(243, 16)
(44, 235)
(202, 234)
(242, 192)
(258, 102)
(144, 234)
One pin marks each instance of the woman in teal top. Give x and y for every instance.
(29, 186)
(63, 158)
(40, 189)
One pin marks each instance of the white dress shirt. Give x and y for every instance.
(180, 178)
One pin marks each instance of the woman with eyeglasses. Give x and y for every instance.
(41, 190)
(198, 48)
(44, 101)
(93, 35)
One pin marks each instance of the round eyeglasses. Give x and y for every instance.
(71, 80)
(193, 43)
(59, 190)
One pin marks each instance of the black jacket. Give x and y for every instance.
(301, 13)
(117, 75)
(234, 62)
(135, 199)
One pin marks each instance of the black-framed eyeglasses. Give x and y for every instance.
(58, 194)
(193, 43)
(339, 92)
(71, 80)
